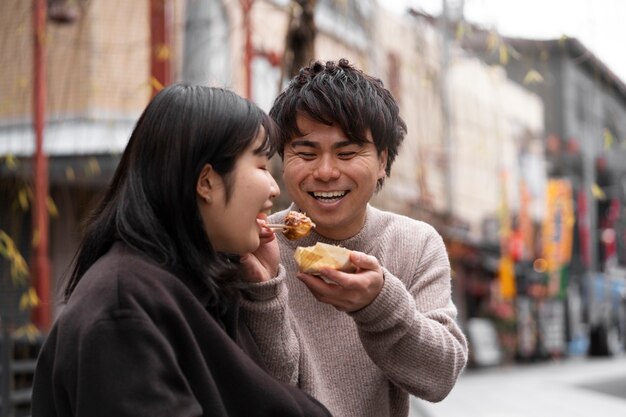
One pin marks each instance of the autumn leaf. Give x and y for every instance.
(609, 139)
(19, 268)
(533, 77)
(597, 192)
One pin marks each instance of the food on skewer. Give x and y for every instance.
(296, 226)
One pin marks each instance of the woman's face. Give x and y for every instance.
(232, 226)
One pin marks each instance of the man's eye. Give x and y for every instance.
(347, 155)
(306, 155)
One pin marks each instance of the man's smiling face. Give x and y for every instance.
(331, 178)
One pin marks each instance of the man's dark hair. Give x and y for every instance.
(151, 203)
(338, 93)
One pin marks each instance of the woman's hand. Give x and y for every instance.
(262, 264)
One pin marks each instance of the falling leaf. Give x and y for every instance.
(461, 29)
(52, 207)
(70, 175)
(162, 53)
(19, 268)
(597, 192)
(29, 299)
(22, 198)
(533, 77)
(504, 54)
(30, 331)
(156, 84)
(493, 41)
(36, 238)
(10, 161)
(93, 167)
(609, 139)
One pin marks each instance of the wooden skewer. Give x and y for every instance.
(279, 226)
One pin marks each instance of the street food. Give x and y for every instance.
(312, 259)
(297, 225)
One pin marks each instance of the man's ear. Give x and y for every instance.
(382, 164)
(204, 186)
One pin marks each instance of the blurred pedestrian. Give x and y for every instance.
(362, 344)
(151, 325)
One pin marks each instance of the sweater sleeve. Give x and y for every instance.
(410, 331)
(265, 309)
(125, 367)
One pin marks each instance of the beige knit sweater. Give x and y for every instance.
(365, 364)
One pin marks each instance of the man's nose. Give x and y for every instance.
(326, 169)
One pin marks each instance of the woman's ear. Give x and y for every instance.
(204, 186)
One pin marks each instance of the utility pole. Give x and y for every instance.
(445, 110)
(451, 12)
(160, 45)
(41, 262)
(246, 8)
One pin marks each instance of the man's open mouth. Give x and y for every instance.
(328, 196)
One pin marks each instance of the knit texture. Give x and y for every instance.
(366, 363)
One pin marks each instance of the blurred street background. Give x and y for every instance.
(568, 388)
(515, 153)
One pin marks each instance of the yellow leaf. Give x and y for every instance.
(36, 238)
(29, 299)
(460, 31)
(70, 175)
(11, 161)
(93, 167)
(533, 77)
(52, 208)
(493, 41)
(33, 297)
(22, 198)
(156, 84)
(597, 192)
(504, 54)
(609, 139)
(162, 52)
(19, 268)
(29, 330)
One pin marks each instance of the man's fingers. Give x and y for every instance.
(363, 261)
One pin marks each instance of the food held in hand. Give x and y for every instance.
(312, 259)
(298, 225)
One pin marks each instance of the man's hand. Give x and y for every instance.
(262, 264)
(351, 291)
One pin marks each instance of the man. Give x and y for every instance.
(362, 344)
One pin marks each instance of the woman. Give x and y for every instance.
(151, 325)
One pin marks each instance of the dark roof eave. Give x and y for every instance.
(577, 51)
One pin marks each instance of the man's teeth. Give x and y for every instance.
(329, 195)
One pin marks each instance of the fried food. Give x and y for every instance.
(312, 259)
(298, 225)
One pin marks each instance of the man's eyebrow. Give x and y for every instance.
(312, 144)
(304, 142)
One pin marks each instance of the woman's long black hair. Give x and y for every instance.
(151, 203)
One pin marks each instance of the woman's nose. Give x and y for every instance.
(326, 170)
(274, 189)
